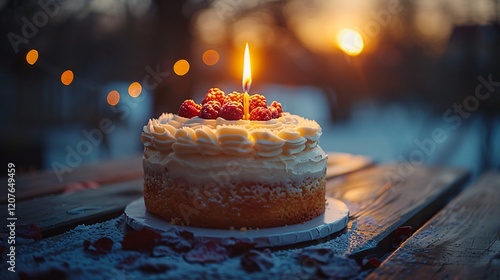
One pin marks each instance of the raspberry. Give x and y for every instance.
(189, 109)
(214, 94)
(260, 114)
(274, 112)
(231, 111)
(257, 100)
(276, 109)
(234, 96)
(210, 110)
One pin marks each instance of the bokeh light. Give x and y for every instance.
(350, 41)
(32, 57)
(67, 77)
(134, 89)
(209, 27)
(255, 27)
(113, 97)
(181, 67)
(210, 57)
(433, 25)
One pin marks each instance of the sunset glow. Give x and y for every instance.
(350, 42)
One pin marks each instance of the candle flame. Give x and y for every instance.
(247, 71)
(246, 82)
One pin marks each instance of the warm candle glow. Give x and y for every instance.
(246, 82)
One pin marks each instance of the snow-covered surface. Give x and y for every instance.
(66, 253)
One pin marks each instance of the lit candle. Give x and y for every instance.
(246, 82)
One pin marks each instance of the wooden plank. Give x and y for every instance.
(379, 202)
(106, 172)
(57, 214)
(461, 242)
(380, 199)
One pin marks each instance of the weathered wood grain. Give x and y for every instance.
(106, 172)
(59, 213)
(461, 242)
(383, 198)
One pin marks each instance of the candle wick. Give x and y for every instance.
(246, 86)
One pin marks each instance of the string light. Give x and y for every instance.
(32, 57)
(113, 98)
(181, 67)
(210, 57)
(135, 89)
(67, 77)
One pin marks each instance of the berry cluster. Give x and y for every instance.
(230, 107)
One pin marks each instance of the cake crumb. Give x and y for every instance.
(243, 229)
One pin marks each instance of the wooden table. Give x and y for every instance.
(452, 234)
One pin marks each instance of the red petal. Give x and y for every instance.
(254, 260)
(237, 247)
(320, 255)
(141, 240)
(100, 246)
(400, 235)
(29, 231)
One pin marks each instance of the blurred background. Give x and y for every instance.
(409, 82)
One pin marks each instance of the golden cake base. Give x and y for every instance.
(334, 219)
(236, 205)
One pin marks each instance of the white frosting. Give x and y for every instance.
(287, 135)
(199, 150)
(197, 169)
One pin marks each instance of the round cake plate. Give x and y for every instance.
(333, 220)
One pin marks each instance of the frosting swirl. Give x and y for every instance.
(287, 135)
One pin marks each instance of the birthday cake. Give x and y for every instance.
(210, 166)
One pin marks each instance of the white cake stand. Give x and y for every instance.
(334, 219)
